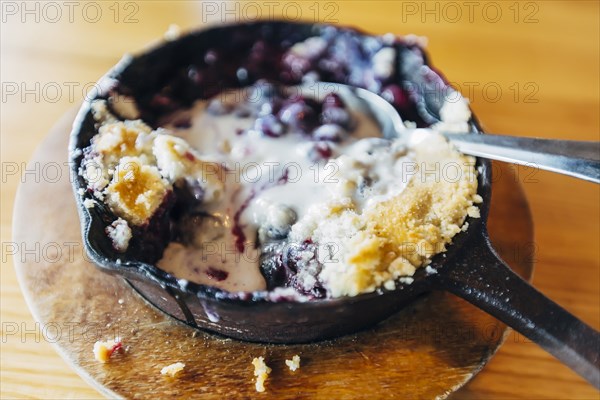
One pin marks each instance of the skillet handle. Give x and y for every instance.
(483, 279)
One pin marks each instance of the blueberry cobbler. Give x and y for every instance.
(257, 184)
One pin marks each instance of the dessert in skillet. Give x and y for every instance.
(261, 188)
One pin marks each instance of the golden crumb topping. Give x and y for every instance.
(121, 139)
(116, 138)
(104, 350)
(136, 190)
(177, 160)
(173, 369)
(261, 371)
(294, 363)
(396, 236)
(421, 221)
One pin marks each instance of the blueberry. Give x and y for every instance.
(272, 270)
(318, 292)
(329, 132)
(265, 109)
(194, 75)
(298, 65)
(211, 57)
(299, 116)
(262, 90)
(396, 96)
(242, 75)
(320, 151)
(264, 98)
(296, 255)
(268, 233)
(269, 126)
(278, 223)
(333, 100)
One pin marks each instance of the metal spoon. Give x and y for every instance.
(579, 159)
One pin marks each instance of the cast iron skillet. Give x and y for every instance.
(470, 268)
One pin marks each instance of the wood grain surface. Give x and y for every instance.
(530, 68)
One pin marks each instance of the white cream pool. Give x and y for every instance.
(253, 187)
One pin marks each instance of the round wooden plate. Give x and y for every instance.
(428, 350)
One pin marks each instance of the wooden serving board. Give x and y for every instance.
(428, 350)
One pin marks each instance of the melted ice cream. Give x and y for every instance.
(270, 183)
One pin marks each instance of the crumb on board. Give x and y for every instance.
(104, 350)
(261, 371)
(294, 363)
(173, 369)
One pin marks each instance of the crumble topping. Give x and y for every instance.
(173, 369)
(119, 139)
(455, 114)
(391, 238)
(101, 113)
(89, 203)
(125, 106)
(136, 190)
(261, 371)
(294, 363)
(177, 160)
(134, 167)
(104, 350)
(120, 234)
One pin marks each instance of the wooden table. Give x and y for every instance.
(530, 68)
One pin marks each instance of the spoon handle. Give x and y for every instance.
(484, 280)
(569, 157)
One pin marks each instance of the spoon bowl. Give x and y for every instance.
(579, 159)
